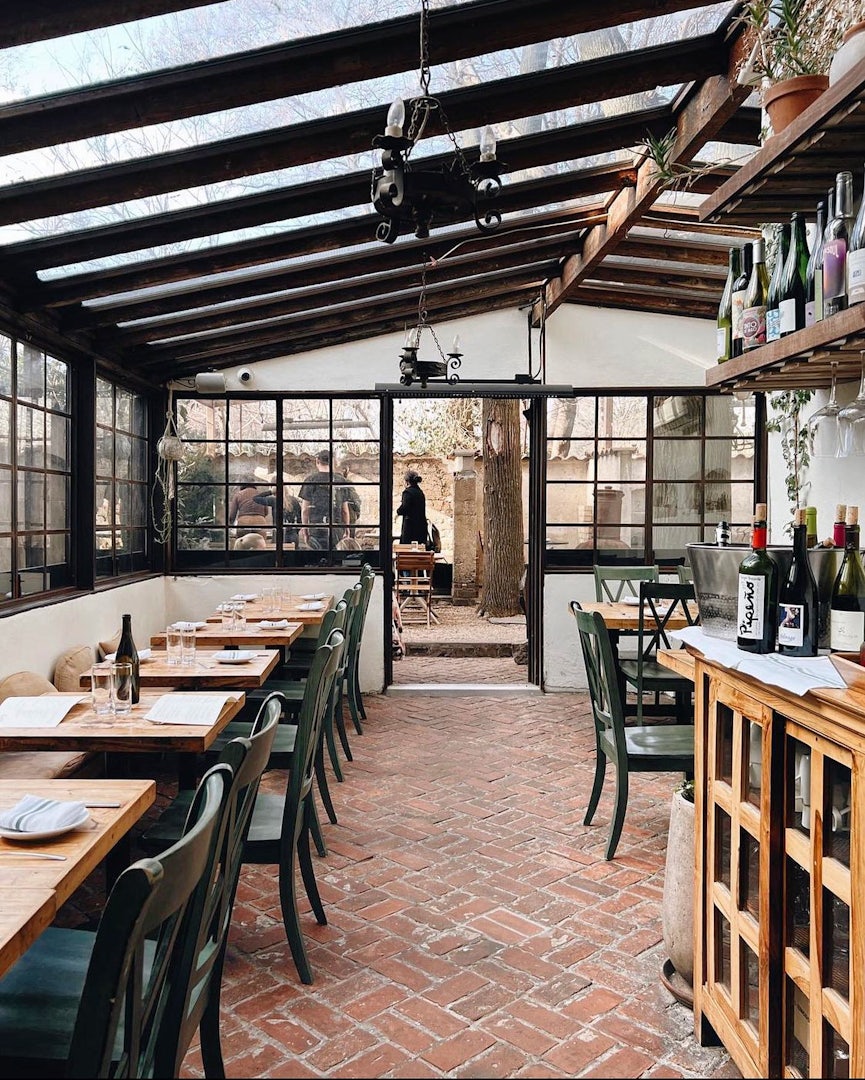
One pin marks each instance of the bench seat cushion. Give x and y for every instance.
(42, 764)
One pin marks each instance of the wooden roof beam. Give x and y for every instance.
(38, 20)
(298, 67)
(710, 106)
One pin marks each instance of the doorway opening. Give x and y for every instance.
(467, 625)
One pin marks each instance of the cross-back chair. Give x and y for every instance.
(659, 748)
(414, 575)
(614, 582)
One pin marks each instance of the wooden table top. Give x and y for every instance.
(620, 616)
(206, 673)
(256, 610)
(24, 914)
(83, 849)
(82, 729)
(679, 660)
(253, 637)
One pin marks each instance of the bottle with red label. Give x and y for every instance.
(757, 619)
(754, 313)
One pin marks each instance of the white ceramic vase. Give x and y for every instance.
(677, 913)
(850, 52)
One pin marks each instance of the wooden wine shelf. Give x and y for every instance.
(798, 165)
(800, 361)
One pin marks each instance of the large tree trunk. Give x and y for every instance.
(504, 554)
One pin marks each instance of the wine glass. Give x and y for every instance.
(851, 420)
(823, 426)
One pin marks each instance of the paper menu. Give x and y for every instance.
(46, 710)
(192, 710)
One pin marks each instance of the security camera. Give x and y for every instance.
(245, 375)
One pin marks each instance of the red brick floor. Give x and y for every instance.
(475, 929)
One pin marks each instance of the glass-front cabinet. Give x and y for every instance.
(780, 950)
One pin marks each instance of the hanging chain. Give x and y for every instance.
(423, 322)
(424, 73)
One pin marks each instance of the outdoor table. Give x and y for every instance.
(35, 888)
(205, 674)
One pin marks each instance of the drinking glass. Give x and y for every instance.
(823, 425)
(187, 646)
(851, 420)
(240, 615)
(122, 671)
(229, 616)
(102, 689)
(173, 645)
(269, 598)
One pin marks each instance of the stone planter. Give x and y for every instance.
(785, 100)
(850, 52)
(677, 912)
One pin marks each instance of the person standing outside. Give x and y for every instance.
(244, 510)
(323, 501)
(412, 510)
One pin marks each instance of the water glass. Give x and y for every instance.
(229, 620)
(240, 615)
(173, 645)
(269, 600)
(122, 672)
(187, 646)
(102, 689)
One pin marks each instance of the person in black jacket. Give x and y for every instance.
(412, 510)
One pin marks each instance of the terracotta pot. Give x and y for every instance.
(785, 100)
(677, 909)
(850, 52)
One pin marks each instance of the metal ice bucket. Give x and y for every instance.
(716, 582)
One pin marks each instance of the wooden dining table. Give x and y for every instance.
(257, 610)
(206, 673)
(34, 888)
(214, 636)
(621, 617)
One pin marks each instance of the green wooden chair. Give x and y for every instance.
(686, 575)
(205, 944)
(632, 749)
(661, 602)
(614, 582)
(105, 1003)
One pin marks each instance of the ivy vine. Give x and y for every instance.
(796, 442)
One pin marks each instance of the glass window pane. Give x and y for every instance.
(31, 500)
(30, 374)
(200, 504)
(356, 419)
(575, 451)
(31, 437)
(5, 500)
(123, 410)
(139, 416)
(677, 503)
(203, 462)
(57, 378)
(201, 418)
(201, 539)
(669, 541)
(122, 455)
(57, 549)
(570, 503)
(679, 416)
(622, 417)
(57, 442)
(251, 420)
(677, 459)
(621, 461)
(5, 431)
(104, 452)
(250, 463)
(58, 502)
(104, 402)
(138, 466)
(5, 365)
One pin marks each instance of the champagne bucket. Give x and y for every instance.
(716, 582)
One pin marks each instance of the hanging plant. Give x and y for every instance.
(795, 443)
(169, 450)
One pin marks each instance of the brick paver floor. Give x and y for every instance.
(474, 927)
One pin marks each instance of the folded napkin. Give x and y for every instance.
(245, 596)
(34, 814)
(143, 654)
(188, 626)
(310, 607)
(313, 596)
(273, 624)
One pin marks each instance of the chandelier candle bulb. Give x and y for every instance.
(395, 119)
(488, 144)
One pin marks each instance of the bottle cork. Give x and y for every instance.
(852, 515)
(799, 516)
(760, 512)
(840, 511)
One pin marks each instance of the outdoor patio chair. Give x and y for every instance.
(686, 575)
(414, 575)
(660, 748)
(614, 582)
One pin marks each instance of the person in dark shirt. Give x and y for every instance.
(412, 510)
(243, 509)
(290, 512)
(323, 500)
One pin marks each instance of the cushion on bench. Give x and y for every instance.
(44, 764)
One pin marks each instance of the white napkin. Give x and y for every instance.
(46, 710)
(274, 624)
(198, 710)
(798, 674)
(143, 654)
(312, 596)
(309, 607)
(245, 596)
(187, 626)
(35, 814)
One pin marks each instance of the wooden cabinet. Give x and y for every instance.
(791, 172)
(780, 852)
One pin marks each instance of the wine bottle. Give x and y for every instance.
(856, 258)
(839, 525)
(758, 592)
(128, 654)
(798, 599)
(725, 308)
(835, 247)
(754, 314)
(811, 526)
(792, 300)
(847, 606)
(740, 288)
(773, 312)
(814, 273)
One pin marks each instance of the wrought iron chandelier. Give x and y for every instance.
(410, 367)
(411, 198)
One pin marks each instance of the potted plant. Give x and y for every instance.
(677, 910)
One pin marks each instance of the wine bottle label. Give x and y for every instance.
(810, 313)
(846, 630)
(856, 276)
(834, 269)
(773, 324)
(787, 311)
(754, 327)
(791, 624)
(723, 343)
(752, 594)
(738, 310)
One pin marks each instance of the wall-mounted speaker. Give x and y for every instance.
(210, 382)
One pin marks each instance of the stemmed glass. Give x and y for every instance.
(823, 427)
(852, 421)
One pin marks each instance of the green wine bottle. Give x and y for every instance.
(798, 599)
(754, 313)
(758, 592)
(128, 654)
(847, 607)
(792, 305)
(814, 274)
(740, 288)
(725, 308)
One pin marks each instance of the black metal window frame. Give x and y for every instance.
(573, 558)
(204, 547)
